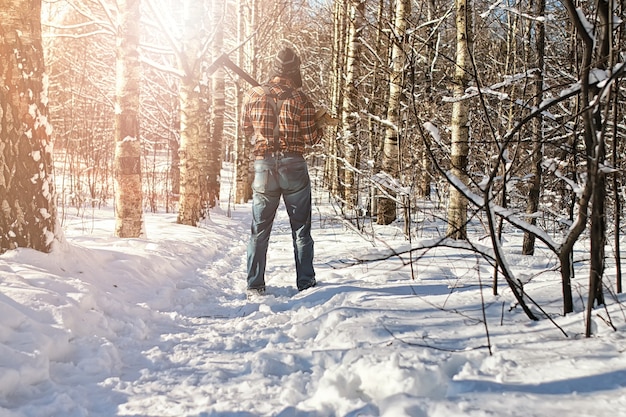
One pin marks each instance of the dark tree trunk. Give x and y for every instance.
(27, 194)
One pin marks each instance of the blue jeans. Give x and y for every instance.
(275, 176)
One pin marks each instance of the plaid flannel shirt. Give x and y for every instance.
(297, 119)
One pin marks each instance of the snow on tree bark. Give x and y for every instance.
(218, 106)
(457, 209)
(390, 163)
(247, 56)
(333, 170)
(190, 204)
(27, 193)
(350, 118)
(128, 191)
(191, 121)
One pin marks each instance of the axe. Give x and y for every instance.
(322, 116)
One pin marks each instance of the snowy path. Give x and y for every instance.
(286, 353)
(160, 327)
(232, 356)
(361, 343)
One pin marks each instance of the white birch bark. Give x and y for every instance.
(243, 164)
(390, 161)
(191, 120)
(332, 168)
(350, 118)
(457, 208)
(218, 105)
(128, 192)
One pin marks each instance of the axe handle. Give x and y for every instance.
(223, 60)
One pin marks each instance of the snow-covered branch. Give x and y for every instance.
(508, 215)
(161, 67)
(492, 90)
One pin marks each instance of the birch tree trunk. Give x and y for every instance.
(243, 150)
(391, 163)
(423, 187)
(174, 175)
(204, 140)
(218, 105)
(377, 104)
(333, 172)
(173, 146)
(350, 118)
(27, 194)
(127, 171)
(191, 120)
(333, 168)
(457, 208)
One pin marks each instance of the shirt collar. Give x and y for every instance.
(282, 81)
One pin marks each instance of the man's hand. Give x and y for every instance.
(323, 118)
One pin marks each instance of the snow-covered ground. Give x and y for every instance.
(161, 327)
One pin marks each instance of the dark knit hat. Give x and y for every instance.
(287, 64)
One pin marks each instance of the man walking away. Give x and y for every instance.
(281, 121)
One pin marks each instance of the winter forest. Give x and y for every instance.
(473, 158)
(476, 119)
